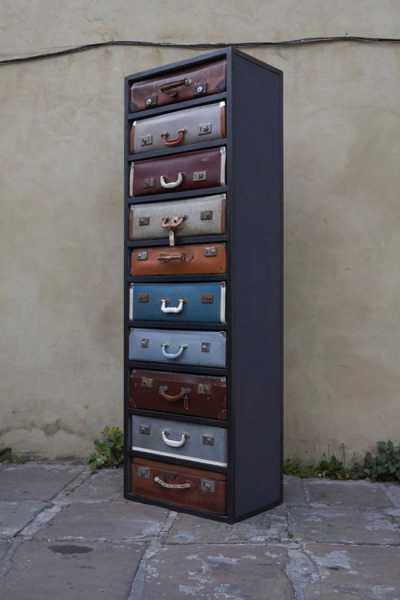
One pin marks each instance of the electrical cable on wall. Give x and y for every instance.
(202, 45)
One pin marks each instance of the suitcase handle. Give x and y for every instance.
(171, 88)
(175, 397)
(174, 141)
(172, 222)
(172, 309)
(169, 185)
(173, 355)
(171, 257)
(172, 486)
(174, 443)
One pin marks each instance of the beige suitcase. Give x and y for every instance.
(200, 216)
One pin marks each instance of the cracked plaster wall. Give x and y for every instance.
(61, 124)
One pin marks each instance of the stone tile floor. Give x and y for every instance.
(67, 534)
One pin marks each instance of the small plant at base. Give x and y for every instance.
(384, 464)
(108, 449)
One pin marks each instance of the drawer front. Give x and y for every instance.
(200, 216)
(180, 128)
(203, 348)
(182, 486)
(181, 393)
(187, 441)
(183, 84)
(186, 171)
(175, 302)
(202, 259)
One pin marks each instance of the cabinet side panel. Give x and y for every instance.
(256, 285)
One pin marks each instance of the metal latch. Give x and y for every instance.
(199, 175)
(205, 347)
(146, 382)
(147, 140)
(151, 101)
(203, 388)
(144, 298)
(149, 182)
(144, 221)
(207, 299)
(206, 485)
(144, 343)
(142, 255)
(205, 128)
(200, 88)
(208, 440)
(206, 215)
(145, 429)
(210, 251)
(143, 472)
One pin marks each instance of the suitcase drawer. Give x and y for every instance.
(175, 302)
(183, 84)
(202, 259)
(176, 439)
(181, 393)
(198, 348)
(182, 486)
(179, 172)
(180, 128)
(200, 216)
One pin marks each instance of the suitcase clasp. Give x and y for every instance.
(199, 175)
(206, 485)
(205, 128)
(208, 440)
(143, 472)
(210, 251)
(145, 429)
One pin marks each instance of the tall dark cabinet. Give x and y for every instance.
(203, 289)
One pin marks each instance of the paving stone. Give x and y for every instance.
(360, 494)
(338, 524)
(65, 571)
(16, 515)
(188, 529)
(354, 573)
(33, 481)
(3, 549)
(293, 490)
(106, 484)
(393, 491)
(110, 521)
(214, 572)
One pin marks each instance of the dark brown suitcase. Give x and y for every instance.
(185, 84)
(180, 393)
(179, 172)
(203, 259)
(182, 486)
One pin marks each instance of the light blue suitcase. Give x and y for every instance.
(188, 441)
(199, 348)
(175, 302)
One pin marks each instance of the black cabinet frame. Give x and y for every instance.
(254, 237)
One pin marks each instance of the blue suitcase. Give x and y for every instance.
(203, 348)
(175, 302)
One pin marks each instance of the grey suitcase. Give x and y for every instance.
(199, 216)
(187, 441)
(205, 348)
(179, 128)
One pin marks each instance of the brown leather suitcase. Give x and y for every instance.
(179, 393)
(184, 84)
(204, 259)
(179, 172)
(192, 488)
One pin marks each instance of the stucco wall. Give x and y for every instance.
(61, 124)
